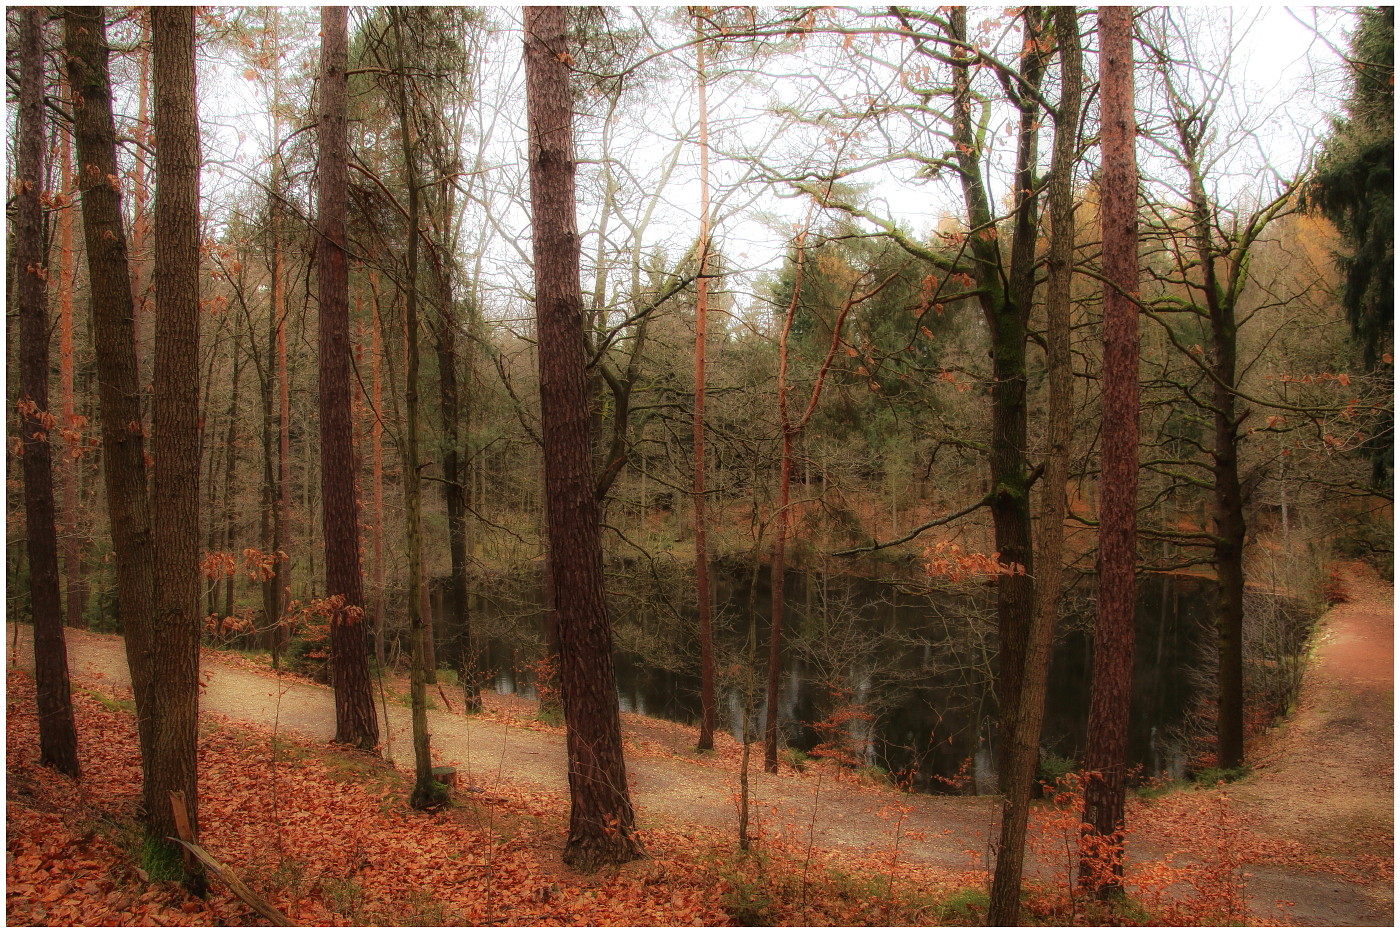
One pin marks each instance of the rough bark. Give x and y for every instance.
(1113, 630)
(175, 422)
(1005, 297)
(75, 599)
(110, 304)
(706, 740)
(58, 737)
(355, 720)
(1024, 731)
(601, 821)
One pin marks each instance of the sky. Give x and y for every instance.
(1284, 79)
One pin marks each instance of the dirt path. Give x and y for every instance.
(1324, 780)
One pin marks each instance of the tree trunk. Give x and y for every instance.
(231, 479)
(175, 422)
(58, 737)
(355, 721)
(601, 822)
(1113, 631)
(74, 578)
(1024, 732)
(454, 492)
(1005, 298)
(141, 195)
(706, 740)
(377, 443)
(123, 444)
(419, 628)
(282, 541)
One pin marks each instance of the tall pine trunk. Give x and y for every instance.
(355, 720)
(1105, 756)
(601, 821)
(1024, 730)
(175, 422)
(58, 737)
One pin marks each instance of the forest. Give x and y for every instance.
(699, 466)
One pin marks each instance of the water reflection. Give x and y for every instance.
(900, 677)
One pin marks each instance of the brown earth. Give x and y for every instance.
(1313, 823)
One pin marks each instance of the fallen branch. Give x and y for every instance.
(246, 894)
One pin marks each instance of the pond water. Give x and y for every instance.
(902, 676)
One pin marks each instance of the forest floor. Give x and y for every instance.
(1306, 838)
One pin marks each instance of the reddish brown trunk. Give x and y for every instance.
(123, 444)
(355, 721)
(58, 738)
(1113, 631)
(702, 562)
(601, 822)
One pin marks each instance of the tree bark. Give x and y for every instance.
(123, 443)
(706, 740)
(601, 821)
(1005, 297)
(175, 421)
(58, 737)
(1113, 631)
(355, 721)
(1024, 731)
(73, 534)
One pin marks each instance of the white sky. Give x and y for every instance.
(1276, 72)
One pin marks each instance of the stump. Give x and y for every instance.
(445, 775)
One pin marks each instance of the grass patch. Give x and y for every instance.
(1209, 777)
(964, 907)
(161, 860)
(112, 704)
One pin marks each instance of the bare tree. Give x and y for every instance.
(601, 821)
(1024, 730)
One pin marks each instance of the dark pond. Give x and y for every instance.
(913, 668)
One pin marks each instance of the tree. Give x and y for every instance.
(601, 821)
(355, 720)
(1353, 186)
(1216, 293)
(1104, 758)
(424, 792)
(110, 304)
(58, 737)
(175, 423)
(1024, 731)
(706, 740)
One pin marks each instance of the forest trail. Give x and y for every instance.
(1342, 730)
(1325, 778)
